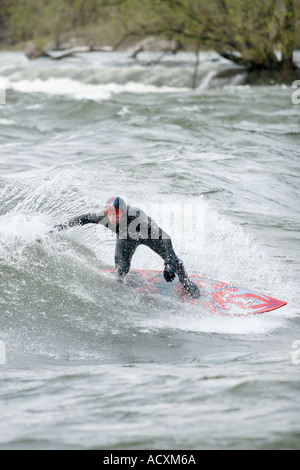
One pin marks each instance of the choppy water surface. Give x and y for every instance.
(90, 365)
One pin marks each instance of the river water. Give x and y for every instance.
(87, 364)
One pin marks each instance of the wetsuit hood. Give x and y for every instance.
(117, 203)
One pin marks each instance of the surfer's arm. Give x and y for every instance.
(81, 220)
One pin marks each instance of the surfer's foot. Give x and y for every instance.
(191, 289)
(120, 279)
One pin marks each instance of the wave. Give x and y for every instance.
(55, 304)
(7, 122)
(98, 77)
(73, 89)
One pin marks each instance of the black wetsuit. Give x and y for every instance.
(136, 228)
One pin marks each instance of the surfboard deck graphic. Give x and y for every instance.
(216, 296)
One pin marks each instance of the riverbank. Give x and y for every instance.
(135, 46)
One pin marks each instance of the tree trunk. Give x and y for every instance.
(248, 39)
(195, 74)
(252, 61)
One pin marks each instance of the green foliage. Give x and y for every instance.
(31, 19)
(28, 20)
(246, 31)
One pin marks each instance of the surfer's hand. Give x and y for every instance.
(169, 271)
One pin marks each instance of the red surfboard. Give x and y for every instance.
(217, 297)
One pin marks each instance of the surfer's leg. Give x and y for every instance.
(123, 256)
(164, 248)
(183, 277)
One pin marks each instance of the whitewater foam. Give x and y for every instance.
(77, 90)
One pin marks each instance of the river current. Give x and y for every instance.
(88, 364)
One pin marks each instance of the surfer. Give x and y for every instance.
(133, 228)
